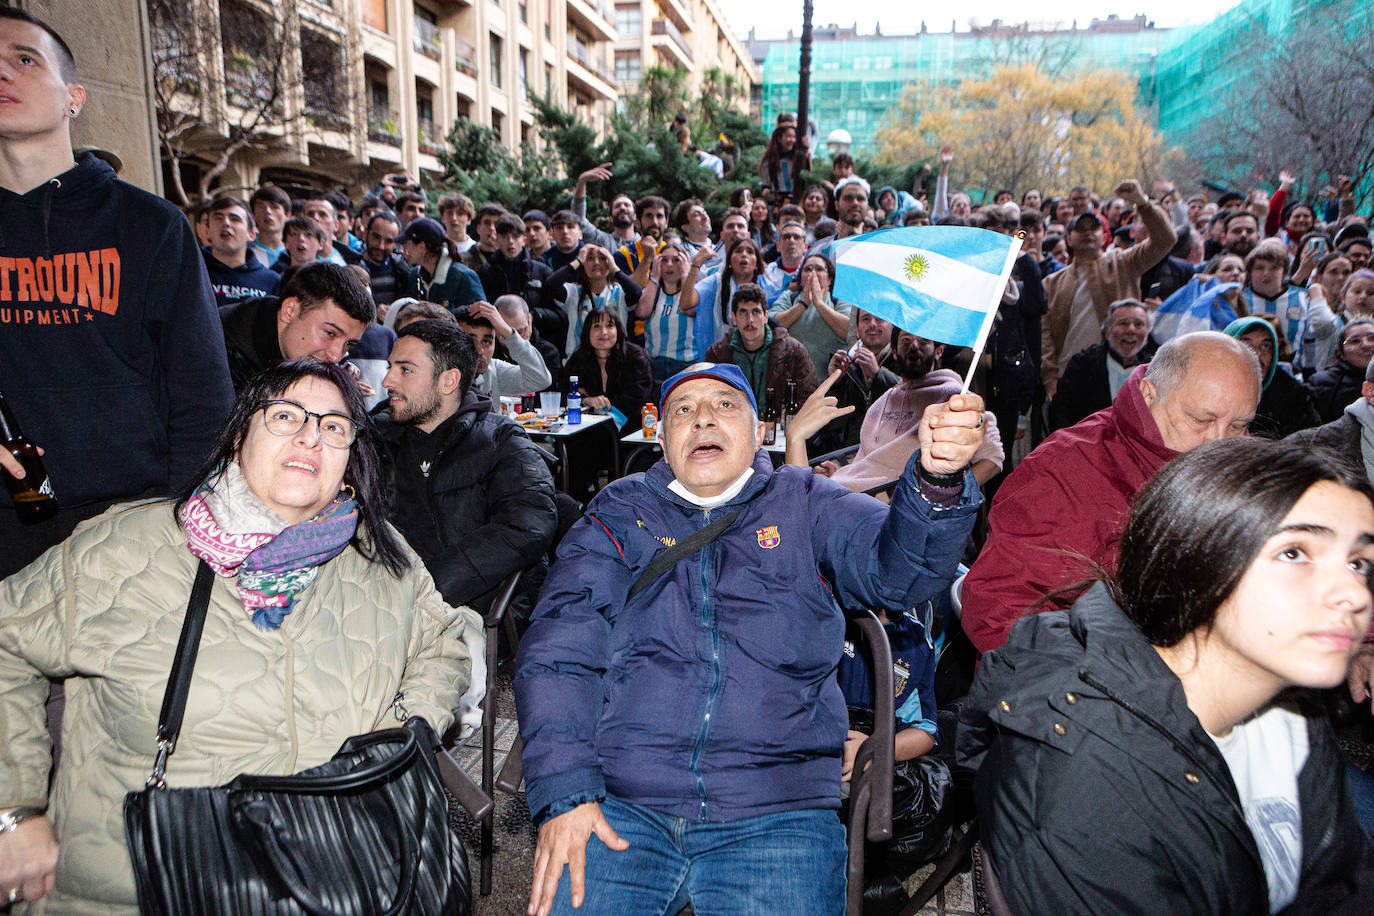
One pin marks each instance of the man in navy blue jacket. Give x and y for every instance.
(697, 728)
(235, 271)
(110, 351)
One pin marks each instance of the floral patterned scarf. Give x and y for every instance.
(228, 527)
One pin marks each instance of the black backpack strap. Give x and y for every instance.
(665, 560)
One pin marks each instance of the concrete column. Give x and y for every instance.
(110, 41)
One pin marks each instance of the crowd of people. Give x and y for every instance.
(1156, 609)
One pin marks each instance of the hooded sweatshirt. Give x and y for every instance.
(111, 353)
(890, 434)
(233, 284)
(1285, 405)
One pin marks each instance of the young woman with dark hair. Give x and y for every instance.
(761, 228)
(784, 159)
(1144, 751)
(591, 281)
(611, 370)
(743, 264)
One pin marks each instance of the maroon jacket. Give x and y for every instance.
(1068, 500)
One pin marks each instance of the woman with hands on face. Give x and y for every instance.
(668, 306)
(810, 314)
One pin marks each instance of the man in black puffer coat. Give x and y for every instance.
(471, 492)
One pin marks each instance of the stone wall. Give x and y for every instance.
(110, 41)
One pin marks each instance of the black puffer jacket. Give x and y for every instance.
(475, 500)
(1085, 387)
(1099, 792)
(1335, 388)
(1340, 437)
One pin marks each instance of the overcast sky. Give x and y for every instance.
(773, 18)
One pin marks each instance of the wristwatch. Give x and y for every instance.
(11, 818)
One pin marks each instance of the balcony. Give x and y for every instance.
(464, 57)
(425, 38)
(431, 141)
(381, 126)
(592, 76)
(583, 54)
(666, 37)
(596, 16)
(680, 12)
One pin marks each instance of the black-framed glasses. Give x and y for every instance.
(286, 418)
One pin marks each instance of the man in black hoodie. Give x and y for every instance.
(235, 271)
(510, 269)
(472, 493)
(321, 313)
(109, 351)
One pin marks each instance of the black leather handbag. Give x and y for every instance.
(366, 833)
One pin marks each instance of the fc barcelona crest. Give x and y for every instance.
(769, 537)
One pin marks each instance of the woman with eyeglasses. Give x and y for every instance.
(319, 615)
(810, 314)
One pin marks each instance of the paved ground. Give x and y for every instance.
(514, 856)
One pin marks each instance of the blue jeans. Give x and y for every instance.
(1361, 795)
(790, 863)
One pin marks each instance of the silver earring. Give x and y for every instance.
(72, 111)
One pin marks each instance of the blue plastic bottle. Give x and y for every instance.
(574, 402)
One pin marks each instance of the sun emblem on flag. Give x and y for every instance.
(916, 267)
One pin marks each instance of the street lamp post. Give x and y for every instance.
(804, 80)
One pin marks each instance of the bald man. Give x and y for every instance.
(1061, 512)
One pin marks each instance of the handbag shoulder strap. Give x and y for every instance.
(665, 560)
(183, 663)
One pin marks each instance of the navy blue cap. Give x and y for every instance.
(426, 231)
(728, 373)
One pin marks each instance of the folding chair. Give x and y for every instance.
(496, 616)
(991, 888)
(870, 783)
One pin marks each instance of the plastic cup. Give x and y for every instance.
(549, 402)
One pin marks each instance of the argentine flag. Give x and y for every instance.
(1197, 306)
(943, 283)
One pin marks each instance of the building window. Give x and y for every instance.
(381, 96)
(494, 60)
(627, 65)
(548, 80)
(374, 14)
(524, 73)
(629, 21)
(463, 107)
(498, 123)
(525, 13)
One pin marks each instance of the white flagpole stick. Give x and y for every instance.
(991, 314)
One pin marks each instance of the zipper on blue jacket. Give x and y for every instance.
(708, 621)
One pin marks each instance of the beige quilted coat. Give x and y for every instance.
(104, 609)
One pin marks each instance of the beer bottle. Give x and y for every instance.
(791, 409)
(770, 418)
(32, 495)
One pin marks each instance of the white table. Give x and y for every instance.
(559, 434)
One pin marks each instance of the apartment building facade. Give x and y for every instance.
(691, 34)
(373, 86)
